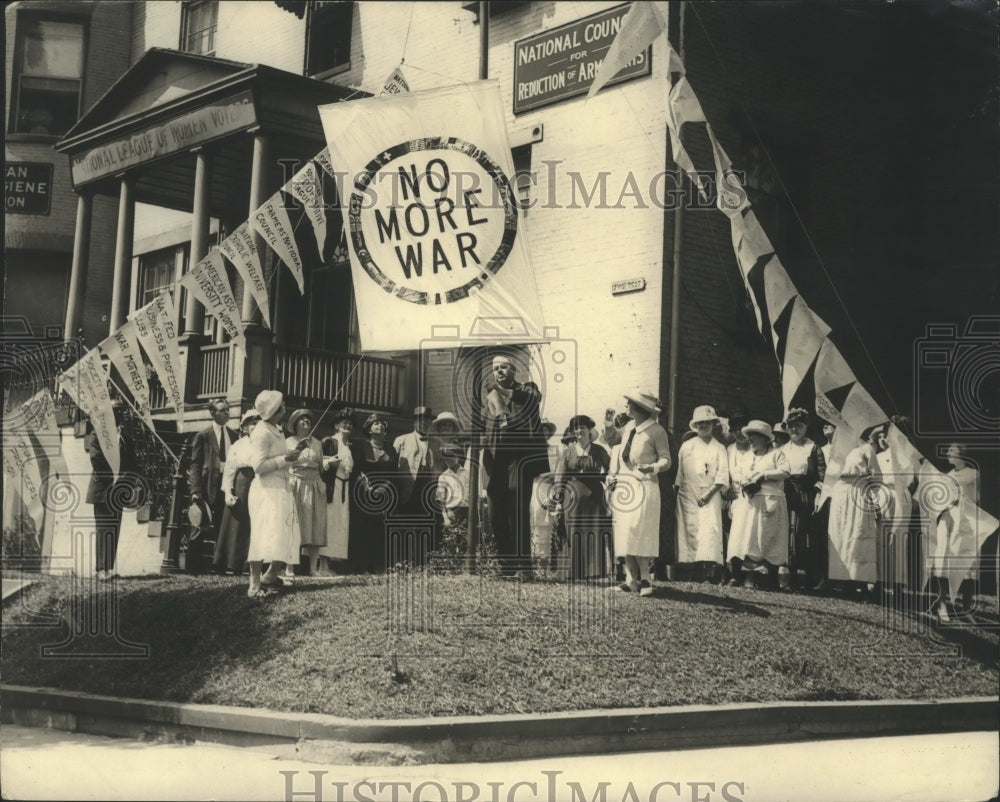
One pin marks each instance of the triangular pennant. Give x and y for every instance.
(156, 330)
(778, 288)
(838, 395)
(395, 84)
(731, 197)
(781, 327)
(38, 416)
(832, 371)
(272, 223)
(639, 29)
(757, 286)
(806, 333)
(749, 240)
(20, 464)
(208, 282)
(860, 409)
(323, 160)
(122, 349)
(241, 250)
(87, 384)
(306, 186)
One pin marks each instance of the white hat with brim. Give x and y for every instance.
(443, 417)
(703, 414)
(647, 401)
(268, 402)
(758, 427)
(249, 415)
(197, 513)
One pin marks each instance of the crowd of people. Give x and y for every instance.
(739, 501)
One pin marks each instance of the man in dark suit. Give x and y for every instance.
(208, 460)
(416, 465)
(516, 453)
(109, 495)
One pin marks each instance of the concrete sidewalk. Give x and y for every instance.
(49, 764)
(491, 738)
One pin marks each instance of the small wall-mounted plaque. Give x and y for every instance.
(628, 285)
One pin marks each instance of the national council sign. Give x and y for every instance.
(425, 221)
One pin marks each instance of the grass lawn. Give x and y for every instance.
(437, 644)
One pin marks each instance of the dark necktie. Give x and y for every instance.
(222, 445)
(627, 452)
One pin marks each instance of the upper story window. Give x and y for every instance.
(328, 37)
(48, 74)
(200, 19)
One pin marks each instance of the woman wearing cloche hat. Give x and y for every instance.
(306, 486)
(702, 473)
(634, 491)
(270, 502)
(758, 540)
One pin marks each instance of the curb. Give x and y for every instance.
(330, 739)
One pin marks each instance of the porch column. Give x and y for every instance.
(123, 252)
(81, 261)
(258, 194)
(195, 313)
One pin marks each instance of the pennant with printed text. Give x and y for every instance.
(156, 330)
(208, 282)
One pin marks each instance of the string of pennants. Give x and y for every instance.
(798, 337)
(152, 330)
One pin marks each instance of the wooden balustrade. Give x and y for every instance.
(309, 375)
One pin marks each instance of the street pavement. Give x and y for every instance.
(57, 765)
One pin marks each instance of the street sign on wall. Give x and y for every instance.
(27, 187)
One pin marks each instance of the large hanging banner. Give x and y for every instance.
(241, 250)
(157, 332)
(86, 382)
(435, 233)
(22, 471)
(208, 282)
(122, 349)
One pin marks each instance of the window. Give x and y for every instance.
(200, 19)
(156, 272)
(48, 74)
(328, 37)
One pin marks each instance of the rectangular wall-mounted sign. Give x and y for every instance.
(27, 187)
(185, 131)
(562, 62)
(628, 285)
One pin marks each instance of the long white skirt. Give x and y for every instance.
(274, 533)
(635, 513)
(699, 529)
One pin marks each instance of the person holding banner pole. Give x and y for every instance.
(307, 486)
(270, 500)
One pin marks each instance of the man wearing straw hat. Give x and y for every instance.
(516, 453)
(416, 464)
(634, 491)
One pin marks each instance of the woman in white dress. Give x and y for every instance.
(853, 527)
(740, 457)
(338, 464)
(952, 563)
(635, 492)
(270, 501)
(308, 489)
(702, 472)
(758, 541)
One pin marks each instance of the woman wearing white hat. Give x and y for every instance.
(270, 501)
(853, 527)
(702, 473)
(634, 491)
(758, 540)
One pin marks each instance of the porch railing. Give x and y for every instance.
(216, 376)
(308, 374)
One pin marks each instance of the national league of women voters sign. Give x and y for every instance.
(435, 234)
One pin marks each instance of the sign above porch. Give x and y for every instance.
(226, 116)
